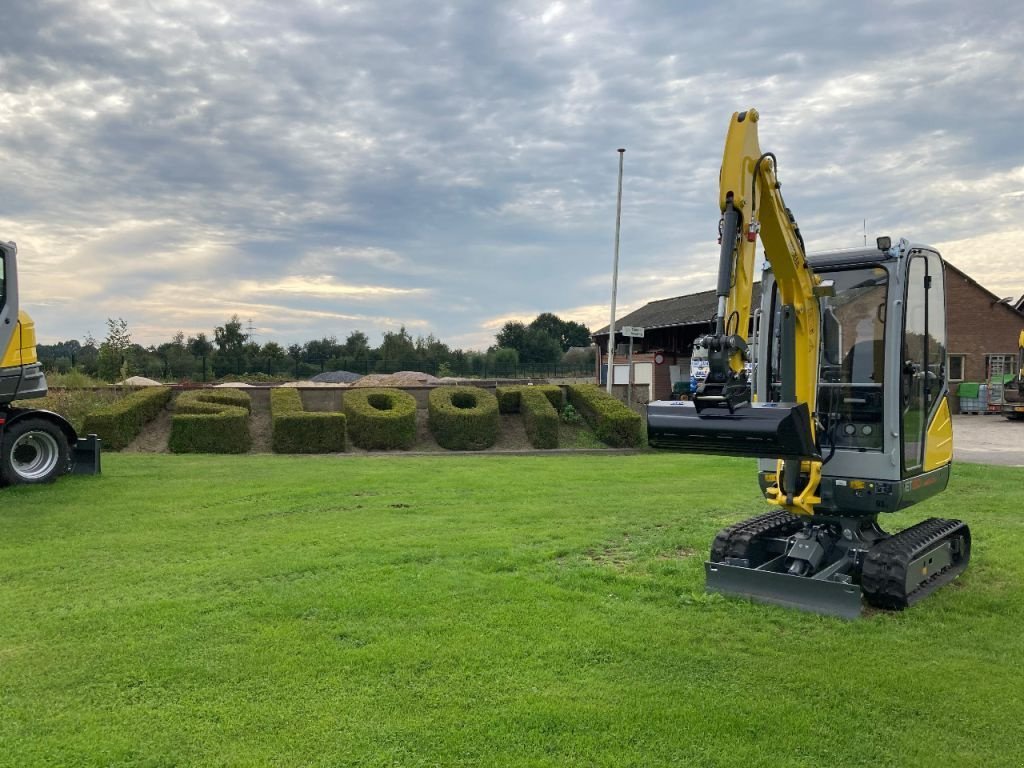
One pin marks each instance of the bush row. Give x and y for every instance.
(294, 430)
(540, 417)
(509, 397)
(211, 421)
(611, 419)
(120, 423)
(463, 418)
(380, 418)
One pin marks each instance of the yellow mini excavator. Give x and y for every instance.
(36, 446)
(845, 408)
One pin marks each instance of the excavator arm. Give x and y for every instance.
(725, 420)
(750, 199)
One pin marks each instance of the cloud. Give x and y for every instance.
(329, 167)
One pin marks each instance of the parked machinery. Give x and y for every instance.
(1013, 390)
(36, 446)
(846, 410)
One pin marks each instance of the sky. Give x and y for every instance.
(323, 167)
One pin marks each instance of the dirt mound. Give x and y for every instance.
(139, 381)
(399, 379)
(337, 377)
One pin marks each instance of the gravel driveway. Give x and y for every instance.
(988, 440)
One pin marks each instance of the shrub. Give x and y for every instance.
(539, 417)
(612, 421)
(120, 423)
(570, 415)
(463, 418)
(211, 421)
(294, 430)
(380, 418)
(509, 397)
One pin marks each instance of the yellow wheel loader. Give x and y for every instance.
(36, 446)
(845, 408)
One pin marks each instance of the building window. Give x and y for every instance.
(956, 367)
(999, 365)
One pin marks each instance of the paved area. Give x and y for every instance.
(988, 440)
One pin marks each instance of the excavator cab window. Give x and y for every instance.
(850, 393)
(3, 279)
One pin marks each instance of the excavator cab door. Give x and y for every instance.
(923, 375)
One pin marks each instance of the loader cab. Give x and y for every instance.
(884, 430)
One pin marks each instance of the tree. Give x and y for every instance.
(356, 345)
(566, 332)
(275, 355)
(322, 350)
(575, 335)
(252, 354)
(396, 351)
(503, 361)
(539, 348)
(230, 346)
(178, 361)
(200, 347)
(512, 335)
(432, 353)
(296, 352)
(88, 356)
(112, 361)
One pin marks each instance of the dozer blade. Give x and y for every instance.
(806, 593)
(761, 430)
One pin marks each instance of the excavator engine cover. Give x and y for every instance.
(761, 430)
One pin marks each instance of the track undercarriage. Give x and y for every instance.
(833, 565)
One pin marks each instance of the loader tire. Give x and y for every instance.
(33, 451)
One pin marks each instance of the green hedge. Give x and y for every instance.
(508, 397)
(211, 421)
(380, 418)
(295, 430)
(540, 417)
(463, 418)
(612, 421)
(120, 423)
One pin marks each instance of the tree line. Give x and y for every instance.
(546, 345)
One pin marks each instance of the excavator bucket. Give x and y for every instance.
(761, 430)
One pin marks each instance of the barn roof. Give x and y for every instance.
(692, 309)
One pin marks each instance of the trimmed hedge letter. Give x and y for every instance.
(463, 418)
(613, 421)
(211, 421)
(295, 430)
(380, 418)
(120, 423)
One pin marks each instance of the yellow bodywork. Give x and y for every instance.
(22, 348)
(1020, 357)
(938, 445)
(764, 215)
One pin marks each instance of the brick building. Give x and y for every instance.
(980, 326)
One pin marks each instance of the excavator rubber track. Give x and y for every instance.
(737, 541)
(897, 572)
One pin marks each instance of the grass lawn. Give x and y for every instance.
(474, 611)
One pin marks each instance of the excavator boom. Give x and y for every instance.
(722, 418)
